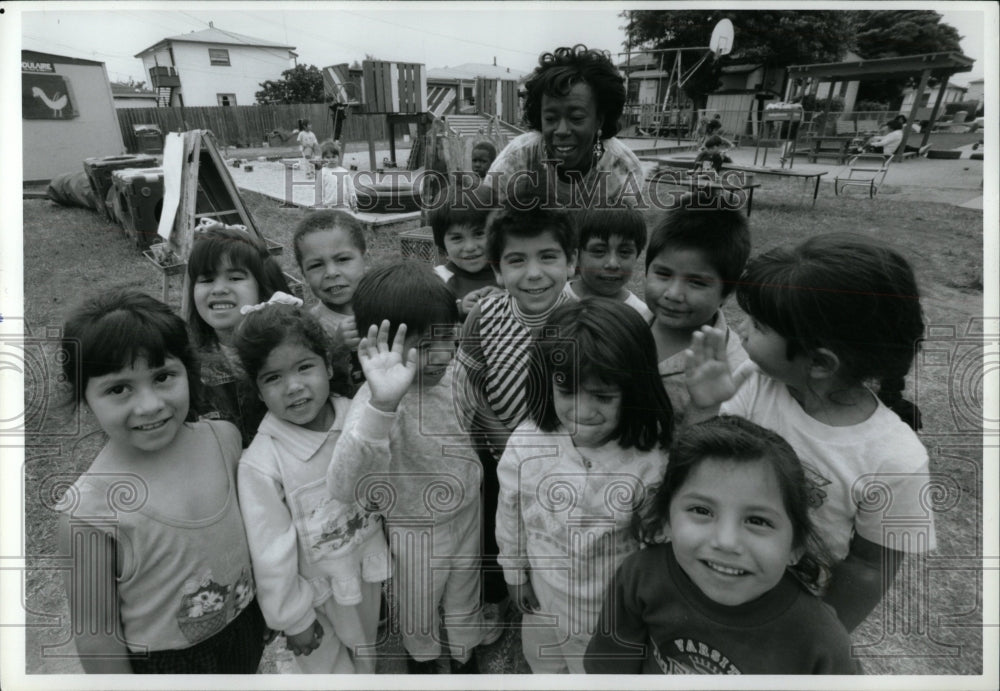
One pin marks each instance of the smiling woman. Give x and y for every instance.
(573, 104)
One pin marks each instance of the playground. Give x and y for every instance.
(926, 208)
(930, 209)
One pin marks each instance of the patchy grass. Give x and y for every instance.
(930, 623)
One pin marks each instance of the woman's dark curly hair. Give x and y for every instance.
(560, 70)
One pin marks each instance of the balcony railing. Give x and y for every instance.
(164, 75)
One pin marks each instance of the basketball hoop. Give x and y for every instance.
(722, 38)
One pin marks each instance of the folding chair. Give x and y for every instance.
(865, 170)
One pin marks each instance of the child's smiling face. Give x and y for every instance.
(534, 270)
(219, 297)
(294, 383)
(141, 407)
(683, 290)
(465, 246)
(606, 266)
(332, 266)
(730, 531)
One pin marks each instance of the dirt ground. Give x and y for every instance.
(65, 252)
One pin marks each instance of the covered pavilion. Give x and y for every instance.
(805, 79)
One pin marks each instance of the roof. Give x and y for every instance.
(939, 64)
(471, 70)
(648, 74)
(123, 91)
(216, 36)
(741, 68)
(35, 56)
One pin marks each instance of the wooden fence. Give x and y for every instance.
(246, 126)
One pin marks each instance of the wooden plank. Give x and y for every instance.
(385, 103)
(422, 88)
(394, 76)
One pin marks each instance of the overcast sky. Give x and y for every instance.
(436, 34)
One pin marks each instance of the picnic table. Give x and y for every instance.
(707, 182)
(835, 146)
(688, 164)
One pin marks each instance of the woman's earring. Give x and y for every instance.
(598, 147)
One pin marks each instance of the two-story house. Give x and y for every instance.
(213, 67)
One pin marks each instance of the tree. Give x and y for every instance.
(773, 38)
(301, 84)
(131, 84)
(895, 33)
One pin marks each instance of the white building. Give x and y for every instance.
(952, 94)
(213, 67)
(975, 92)
(128, 97)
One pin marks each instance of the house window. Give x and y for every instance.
(218, 56)
(226, 99)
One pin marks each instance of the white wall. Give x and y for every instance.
(149, 102)
(59, 146)
(201, 81)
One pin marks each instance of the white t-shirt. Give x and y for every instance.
(872, 477)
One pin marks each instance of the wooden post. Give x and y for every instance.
(390, 127)
(924, 76)
(934, 113)
(371, 142)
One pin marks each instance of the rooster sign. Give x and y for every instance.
(45, 97)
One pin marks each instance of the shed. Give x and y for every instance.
(67, 114)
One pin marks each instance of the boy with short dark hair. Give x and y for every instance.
(611, 240)
(403, 430)
(693, 262)
(458, 223)
(533, 247)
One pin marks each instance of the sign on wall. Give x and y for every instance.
(45, 96)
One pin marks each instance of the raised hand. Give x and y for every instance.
(389, 374)
(709, 378)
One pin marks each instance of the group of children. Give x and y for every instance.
(515, 427)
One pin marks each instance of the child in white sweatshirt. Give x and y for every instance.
(404, 444)
(319, 564)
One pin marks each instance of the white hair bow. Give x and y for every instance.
(278, 298)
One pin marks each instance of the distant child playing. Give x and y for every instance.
(571, 477)
(330, 250)
(228, 269)
(162, 582)
(712, 154)
(308, 147)
(728, 594)
(319, 563)
(337, 183)
(458, 222)
(404, 442)
(827, 318)
(611, 239)
(693, 262)
(483, 155)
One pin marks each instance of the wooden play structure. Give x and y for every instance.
(198, 188)
(398, 92)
